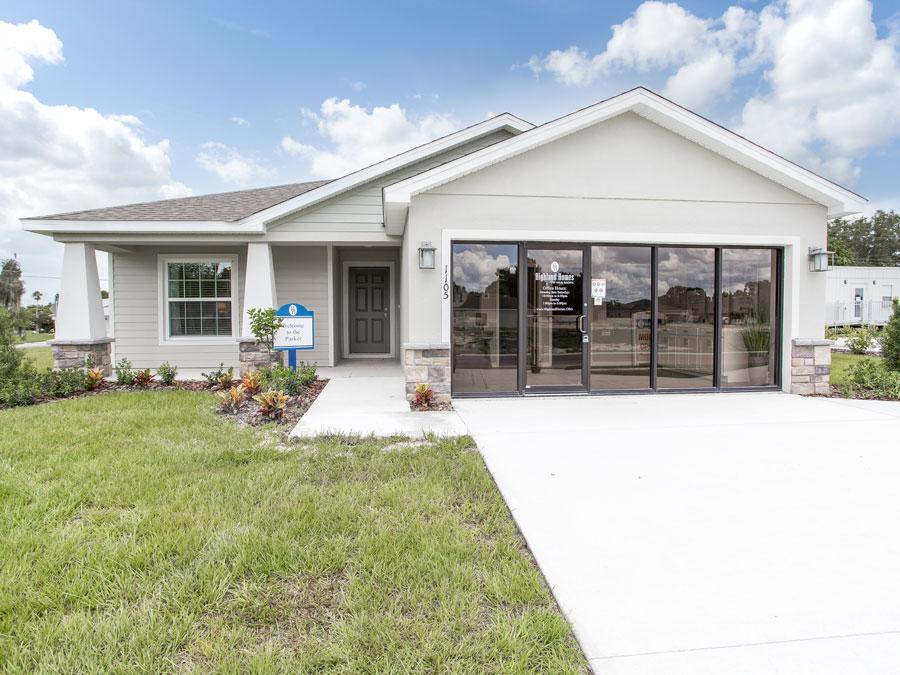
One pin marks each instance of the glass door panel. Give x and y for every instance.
(620, 302)
(485, 318)
(749, 316)
(555, 318)
(685, 317)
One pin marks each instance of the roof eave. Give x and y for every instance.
(52, 226)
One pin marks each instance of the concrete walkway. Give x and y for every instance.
(32, 345)
(709, 534)
(366, 397)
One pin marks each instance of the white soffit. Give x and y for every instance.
(839, 200)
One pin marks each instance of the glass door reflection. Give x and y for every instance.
(556, 323)
(685, 317)
(620, 307)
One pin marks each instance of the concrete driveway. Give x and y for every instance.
(728, 533)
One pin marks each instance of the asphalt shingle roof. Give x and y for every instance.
(223, 206)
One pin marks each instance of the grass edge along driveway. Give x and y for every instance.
(141, 532)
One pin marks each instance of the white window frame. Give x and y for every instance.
(163, 299)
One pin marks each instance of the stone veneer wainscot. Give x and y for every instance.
(427, 362)
(253, 356)
(810, 366)
(74, 353)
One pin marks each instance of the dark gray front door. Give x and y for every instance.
(370, 310)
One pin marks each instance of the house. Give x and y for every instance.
(856, 296)
(628, 246)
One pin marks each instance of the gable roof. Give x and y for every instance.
(225, 206)
(839, 200)
(248, 211)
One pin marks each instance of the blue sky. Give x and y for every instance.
(226, 83)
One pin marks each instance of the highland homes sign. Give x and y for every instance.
(297, 332)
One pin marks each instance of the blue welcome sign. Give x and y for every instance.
(297, 331)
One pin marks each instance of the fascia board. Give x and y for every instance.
(52, 226)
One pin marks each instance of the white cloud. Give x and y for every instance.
(660, 36)
(57, 158)
(230, 165)
(829, 86)
(359, 136)
(240, 121)
(697, 83)
(833, 78)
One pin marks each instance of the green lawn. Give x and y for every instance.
(31, 336)
(840, 364)
(41, 357)
(142, 533)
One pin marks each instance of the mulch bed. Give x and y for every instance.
(862, 395)
(446, 405)
(249, 412)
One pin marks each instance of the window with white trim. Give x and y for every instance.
(199, 298)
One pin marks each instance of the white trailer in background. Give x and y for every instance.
(858, 296)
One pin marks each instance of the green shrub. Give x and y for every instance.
(291, 382)
(874, 378)
(220, 376)
(124, 373)
(23, 388)
(63, 382)
(890, 339)
(861, 339)
(10, 356)
(167, 373)
(264, 324)
(29, 385)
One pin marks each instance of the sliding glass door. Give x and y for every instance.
(575, 317)
(620, 317)
(685, 317)
(556, 331)
(485, 352)
(749, 317)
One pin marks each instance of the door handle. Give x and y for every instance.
(581, 323)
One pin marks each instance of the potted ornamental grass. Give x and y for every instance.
(756, 334)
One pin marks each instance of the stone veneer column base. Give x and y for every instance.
(252, 356)
(73, 353)
(427, 363)
(810, 366)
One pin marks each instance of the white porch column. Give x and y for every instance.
(259, 283)
(79, 314)
(80, 327)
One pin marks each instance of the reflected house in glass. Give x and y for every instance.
(630, 246)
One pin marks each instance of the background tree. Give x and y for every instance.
(872, 241)
(36, 296)
(11, 286)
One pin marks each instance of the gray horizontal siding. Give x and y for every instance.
(135, 296)
(301, 276)
(360, 210)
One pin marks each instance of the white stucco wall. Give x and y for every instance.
(623, 180)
